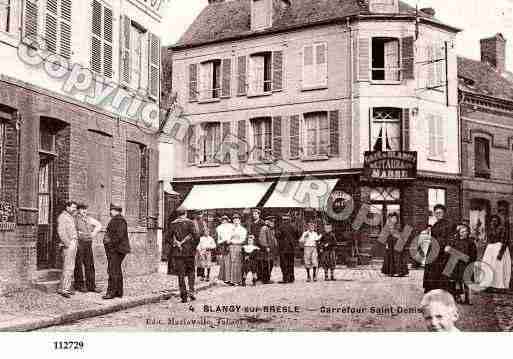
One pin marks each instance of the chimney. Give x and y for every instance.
(429, 11)
(493, 52)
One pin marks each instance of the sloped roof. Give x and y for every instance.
(232, 19)
(482, 78)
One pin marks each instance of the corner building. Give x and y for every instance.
(62, 138)
(347, 103)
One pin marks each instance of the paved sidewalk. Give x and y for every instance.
(31, 309)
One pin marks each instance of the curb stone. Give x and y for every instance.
(67, 318)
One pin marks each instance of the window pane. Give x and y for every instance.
(44, 209)
(320, 53)
(308, 55)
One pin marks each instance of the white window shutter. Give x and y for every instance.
(432, 136)
(125, 50)
(108, 26)
(440, 137)
(30, 21)
(154, 65)
(65, 28)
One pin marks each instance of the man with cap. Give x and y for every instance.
(117, 246)
(287, 237)
(267, 243)
(183, 240)
(254, 233)
(87, 228)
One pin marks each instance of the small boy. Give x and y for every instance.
(327, 246)
(309, 241)
(439, 311)
(205, 247)
(249, 261)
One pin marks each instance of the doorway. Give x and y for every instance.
(383, 202)
(46, 245)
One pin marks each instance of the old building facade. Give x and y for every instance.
(79, 107)
(486, 97)
(302, 106)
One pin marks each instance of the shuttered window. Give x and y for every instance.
(57, 27)
(385, 59)
(317, 134)
(5, 15)
(386, 129)
(262, 146)
(482, 157)
(101, 39)
(30, 21)
(136, 181)
(210, 142)
(436, 137)
(138, 57)
(315, 65)
(154, 66)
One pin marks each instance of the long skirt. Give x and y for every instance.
(500, 274)
(204, 259)
(223, 259)
(234, 264)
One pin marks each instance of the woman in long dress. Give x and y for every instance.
(497, 256)
(237, 239)
(395, 262)
(224, 233)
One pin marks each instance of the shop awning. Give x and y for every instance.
(307, 193)
(226, 195)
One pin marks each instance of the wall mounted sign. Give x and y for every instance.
(390, 165)
(7, 216)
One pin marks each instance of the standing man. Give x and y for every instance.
(117, 246)
(441, 232)
(268, 245)
(287, 236)
(183, 240)
(67, 231)
(254, 233)
(87, 228)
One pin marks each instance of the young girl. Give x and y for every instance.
(249, 261)
(327, 246)
(205, 247)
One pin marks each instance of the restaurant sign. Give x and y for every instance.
(390, 165)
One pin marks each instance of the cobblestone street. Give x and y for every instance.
(360, 300)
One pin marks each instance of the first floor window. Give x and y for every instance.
(386, 129)
(262, 139)
(5, 15)
(315, 65)
(386, 63)
(260, 68)
(482, 157)
(317, 134)
(138, 55)
(211, 142)
(436, 137)
(435, 196)
(210, 73)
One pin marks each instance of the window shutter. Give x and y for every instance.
(408, 57)
(154, 65)
(125, 50)
(243, 145)
(294, 136)
(226, 132)
(191, 145)
(321, 64)
(277, 143)
(432, 135)
(51, 24)
(440, 143)
(30, 21)
(334, 133)
(242, 75)
(144, 187)
(364, 59)
(193, 82)
(308, 66)
(65, 27)
(96, 40)
(226, 90)
(440, 63)
(277, 70)
(108, 24)
(406, 129)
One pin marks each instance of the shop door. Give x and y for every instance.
(384, 201)
(47, 244)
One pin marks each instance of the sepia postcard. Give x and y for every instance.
(255, 166)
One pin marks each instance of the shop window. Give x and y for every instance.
(482, 157)
(210, 79)
(260, 73)
(383, 202)
(386, 129)
(386, 63)
(317, 134)
(262, 139)
(136, 180)
(5, 15)
(210, 142)
(435, 196)
(315, 65)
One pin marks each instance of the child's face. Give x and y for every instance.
(440, 317)
(250, 240)
(311, 227)
(327, 228)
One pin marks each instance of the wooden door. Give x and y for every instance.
(47, 241)
(99, 175)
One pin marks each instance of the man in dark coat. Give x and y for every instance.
(117, 246)
(442, 233)
(268, 246)
(287, 236)
(183, 238)
(254, 232)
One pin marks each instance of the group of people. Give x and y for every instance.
(77, 230)
(245, 253)
(451, 258)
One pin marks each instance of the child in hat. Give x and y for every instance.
(205, 247)
(249, 261)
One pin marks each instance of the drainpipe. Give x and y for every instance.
(460, 139)
(351, 87)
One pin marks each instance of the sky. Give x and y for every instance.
(477, 18)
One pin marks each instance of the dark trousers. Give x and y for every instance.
(266, 267)
(184, 267)
(114, 260)
(287, 267)
(84, 264)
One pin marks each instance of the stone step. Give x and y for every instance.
(50, 286)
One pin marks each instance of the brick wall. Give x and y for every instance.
(18, 248)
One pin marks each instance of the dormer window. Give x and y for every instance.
(261, 14)
(384, 6)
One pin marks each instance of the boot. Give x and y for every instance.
(315, 274)
(208, 275)
(326, 275)
(308, 279)
(333, 275)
